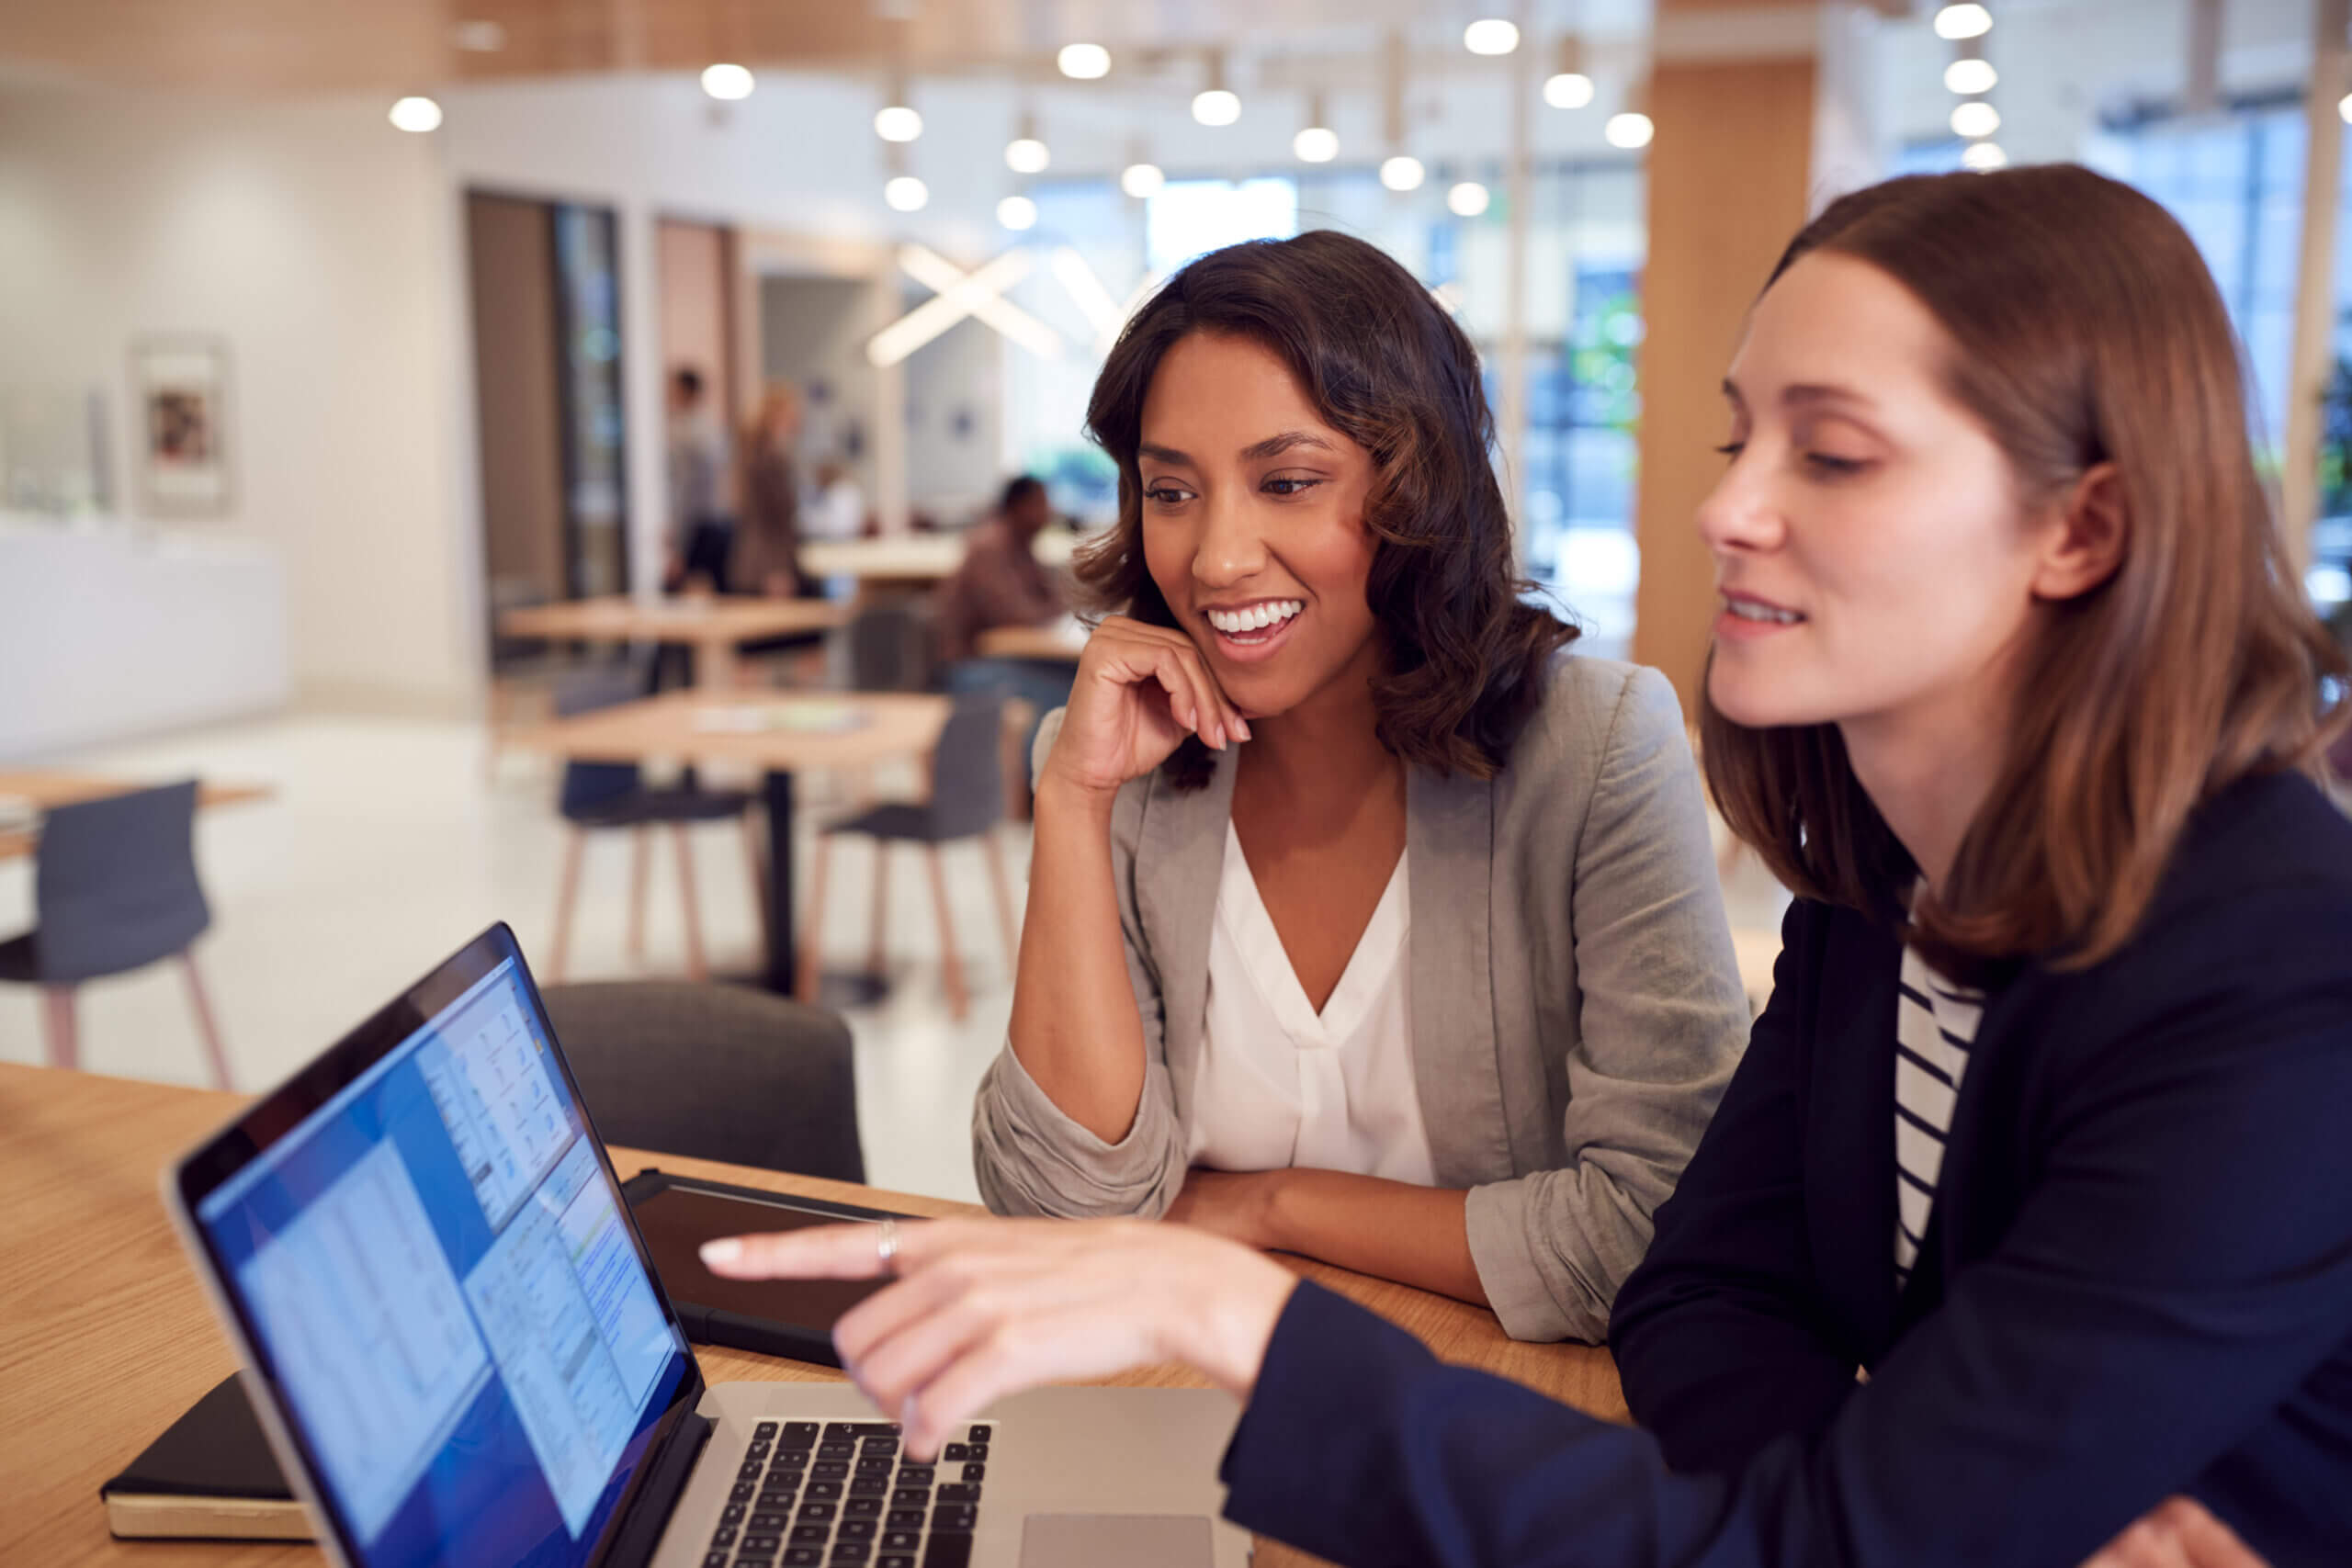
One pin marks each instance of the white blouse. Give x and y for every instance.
(1278, 1084)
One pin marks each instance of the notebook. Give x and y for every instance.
(211, 1474)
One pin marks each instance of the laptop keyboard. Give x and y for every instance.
(812, 1495)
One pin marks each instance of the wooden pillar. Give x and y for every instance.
(1729, 175)
(2313, 357)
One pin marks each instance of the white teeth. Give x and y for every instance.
(1257, 617)
(1749, 610)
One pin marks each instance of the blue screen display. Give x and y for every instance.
(445, 1292)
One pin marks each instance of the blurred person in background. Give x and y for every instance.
(1001, 583)
(767, 557)
(2025, 1222)
(701, 536)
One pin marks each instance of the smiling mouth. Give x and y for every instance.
(1256, 623)
(1769, 614)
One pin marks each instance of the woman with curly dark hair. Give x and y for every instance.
(1365, 923)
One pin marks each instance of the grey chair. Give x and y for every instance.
(608, 796)
(115, 889)
(713, 1072)
(889, 646)
(966, 801)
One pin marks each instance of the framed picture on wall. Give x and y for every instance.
(180, 385)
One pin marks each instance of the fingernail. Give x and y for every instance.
(720, 1253)
(1241, 727)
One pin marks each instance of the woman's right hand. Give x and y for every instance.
(1140, 690)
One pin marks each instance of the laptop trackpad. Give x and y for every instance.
(1131, 1540)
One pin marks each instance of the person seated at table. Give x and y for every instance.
(1001, 583)
(1419, 964)
(2042, 1129)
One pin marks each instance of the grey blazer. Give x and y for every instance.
(1575, 1005)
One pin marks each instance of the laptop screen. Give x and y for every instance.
(436, 1272)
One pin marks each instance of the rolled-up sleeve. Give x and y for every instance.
(1030, 1158)
(1661, 1023)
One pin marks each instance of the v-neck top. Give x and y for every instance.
(1279, 1084)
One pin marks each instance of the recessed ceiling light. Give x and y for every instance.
(1963, 21)
(1141, 180)
(1027, 155)
(1084, 62)
(1983, 155)
(1017, 212)
(1217, 106)
(1975, 119)
(897, 122)
(1469, 199)
(906, 194)
(726, 81)
(1629, 130)
(1490, 35)
(1403, 172)
(419, 115)
(1569, 90)
(1316, 144)
(1969, 77)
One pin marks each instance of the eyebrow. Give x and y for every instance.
(1806, 392)
(1272, 447)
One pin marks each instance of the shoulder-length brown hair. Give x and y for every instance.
(2086, 330)
(1385, 367)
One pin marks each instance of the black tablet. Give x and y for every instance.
(792, 1318)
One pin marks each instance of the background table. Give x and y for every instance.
(758, 729)
(914, 561)
(1060, 643)
(713, 626)
(48, 790)
(109, 1338)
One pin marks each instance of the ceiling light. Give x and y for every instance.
(1963, 21)
(726, 82)
(1983, 155)
(1490, 35)
(1084, 62)
(1969, 77)
(1467, 200)
(897, 122)
(1017, 212)
(1217, 106)
(1027, 155)
(1403, 172)
(419, 115)
(1628, 131)
(1141, 180)
(906, 194)
(1569, 90)
(1975, 119)
(478, 38)
(1316, 144)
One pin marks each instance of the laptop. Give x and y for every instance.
(454, 1337)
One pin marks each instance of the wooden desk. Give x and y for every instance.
(110, 1337)
(48, 790)
(713, 626)
(779, 732)
(914, 561)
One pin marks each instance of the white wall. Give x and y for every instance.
(315, 240)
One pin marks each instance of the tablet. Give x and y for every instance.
(775, 1317)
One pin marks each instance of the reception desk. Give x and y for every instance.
(109, 630)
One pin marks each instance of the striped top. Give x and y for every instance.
(1935, 1023)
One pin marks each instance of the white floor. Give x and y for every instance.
(388, 843)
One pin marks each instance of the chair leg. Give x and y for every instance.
(567, 893)
(641, 853)
(754, 865)
(881, 895)
(1005, 908)
(951, 968)
(206, 1025)
(809, 971)
(695, 969)
(64, 1035)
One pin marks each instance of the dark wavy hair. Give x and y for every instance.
(1384, 366)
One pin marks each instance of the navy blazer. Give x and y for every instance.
(2137, 1282)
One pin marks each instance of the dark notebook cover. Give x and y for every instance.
(215, 1451)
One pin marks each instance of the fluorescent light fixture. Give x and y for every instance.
(1490, 35)
(1086, 291)
(1569, 90)
(1084, 62)
(1027, 155)
(726, 81)
(1316, 144)
(1963, 21)
(1017, 212)
(1469, 199)
(1969, 77)
(897, 122)
(906, 194)
(1403, 172)
(419, 115)
(1216, 105)
(960, 293)
(1629, 130)
(1141, 180)
(1975, 119)
(1983, 155)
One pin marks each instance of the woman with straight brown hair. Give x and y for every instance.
(1367, 921)
(2026, 1223)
